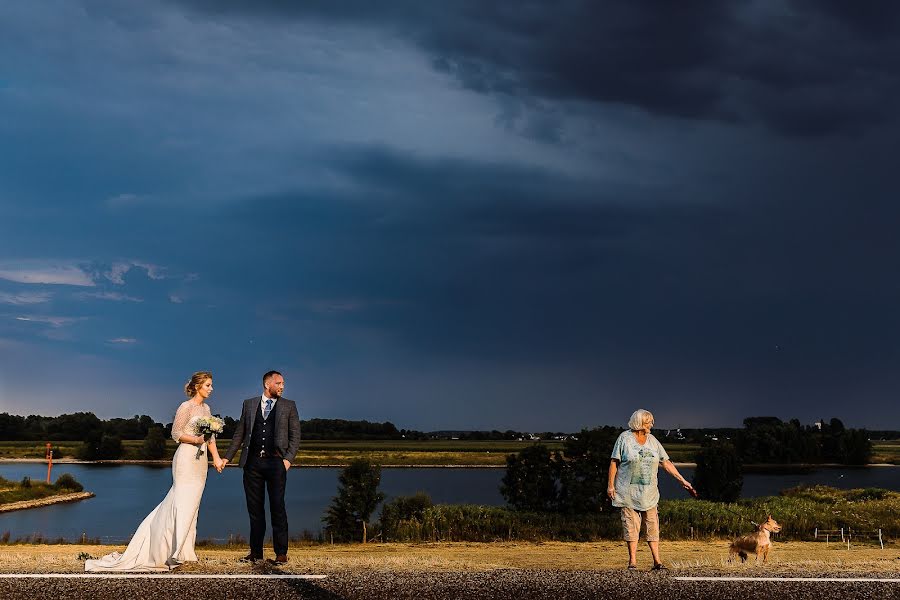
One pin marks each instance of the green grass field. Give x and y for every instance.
(886, 452)
(398, 452)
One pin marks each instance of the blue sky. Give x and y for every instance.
(452, 215)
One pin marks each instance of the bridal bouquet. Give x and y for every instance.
(208, 427)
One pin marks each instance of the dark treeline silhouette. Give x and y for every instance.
(769, 440)
(72, 427)
(86, 426)
(340, 429)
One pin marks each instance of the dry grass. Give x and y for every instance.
(682, 557)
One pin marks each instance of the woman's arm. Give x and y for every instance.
(213, 451)
(611, 480)
(179, 426)
(673, 471)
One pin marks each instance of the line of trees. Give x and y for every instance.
(72, 427)
(769, 440)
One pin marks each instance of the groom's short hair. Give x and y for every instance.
(269, 375)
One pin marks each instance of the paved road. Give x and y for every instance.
(530, 585)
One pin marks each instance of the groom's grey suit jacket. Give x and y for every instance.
(287, 429)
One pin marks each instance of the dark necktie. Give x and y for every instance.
(268, 409)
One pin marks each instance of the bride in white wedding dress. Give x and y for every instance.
(165, 539)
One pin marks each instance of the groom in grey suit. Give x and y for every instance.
(268, 436)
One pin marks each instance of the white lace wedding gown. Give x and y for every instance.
(166, 537)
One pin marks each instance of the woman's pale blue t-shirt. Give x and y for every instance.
(636, 482)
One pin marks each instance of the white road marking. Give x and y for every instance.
(828, 579)
(148, 576)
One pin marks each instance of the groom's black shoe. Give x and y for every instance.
(250, 558)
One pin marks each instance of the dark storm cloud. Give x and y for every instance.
(507, 264)
(802, 69)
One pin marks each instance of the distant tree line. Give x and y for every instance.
(72, 427)
(341, 429)
(769, 440)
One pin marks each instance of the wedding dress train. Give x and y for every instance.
(166, 536)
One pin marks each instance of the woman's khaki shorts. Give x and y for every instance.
(631, 524)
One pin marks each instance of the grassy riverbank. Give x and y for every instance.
(395, 452)
(800, 511)
(684, 556)
(17, 495)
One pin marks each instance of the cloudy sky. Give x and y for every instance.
(469, 215)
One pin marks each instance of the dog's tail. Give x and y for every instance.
(735, 549)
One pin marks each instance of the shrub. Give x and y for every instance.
(401, 511)
(26, 482)
(68, 482)
(474, 523)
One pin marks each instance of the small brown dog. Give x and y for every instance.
(758, 543)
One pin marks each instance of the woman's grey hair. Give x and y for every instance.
(638, 418)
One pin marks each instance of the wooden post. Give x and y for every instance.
(816, 534)
(49, 460)
(880, 539)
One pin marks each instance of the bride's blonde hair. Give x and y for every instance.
(197, 379)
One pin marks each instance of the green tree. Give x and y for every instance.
(585, 471)
(719, 475)
(155, 444)
(531, 482)
(357, 498)
(110, 447)
(90, 448)
(857, 447)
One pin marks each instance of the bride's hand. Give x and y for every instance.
(219, 465)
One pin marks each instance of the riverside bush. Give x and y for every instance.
(68, 483)
(475, 523)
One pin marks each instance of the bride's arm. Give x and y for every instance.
(213, 451)
(179, 426)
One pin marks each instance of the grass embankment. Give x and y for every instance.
(681, 556)
(800, 512)
(886, 452)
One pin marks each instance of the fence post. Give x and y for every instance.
(816, 534)
(880, 539)
(842, 534)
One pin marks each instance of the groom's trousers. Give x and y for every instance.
(262, 475)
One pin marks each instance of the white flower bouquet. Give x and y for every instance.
(208, 427)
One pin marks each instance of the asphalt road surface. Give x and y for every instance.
(373, 585)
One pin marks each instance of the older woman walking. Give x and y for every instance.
(633, 487)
